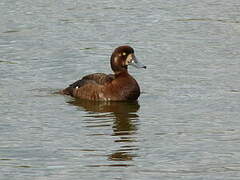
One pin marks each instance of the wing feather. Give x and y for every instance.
(96, 78)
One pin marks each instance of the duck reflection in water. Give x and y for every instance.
(124, 117)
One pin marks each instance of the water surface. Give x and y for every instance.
(186, 122)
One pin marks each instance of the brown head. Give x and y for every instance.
(122, 57)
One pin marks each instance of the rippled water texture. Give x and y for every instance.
(186, 124)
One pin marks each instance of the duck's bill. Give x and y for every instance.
(136, 63)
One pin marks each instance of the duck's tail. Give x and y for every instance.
(65, 91)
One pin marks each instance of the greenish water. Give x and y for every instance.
(186, 122)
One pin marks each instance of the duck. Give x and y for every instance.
(120, 86)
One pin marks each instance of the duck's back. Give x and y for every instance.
(103, 87)
(88, 84)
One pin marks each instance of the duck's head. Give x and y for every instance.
(122, 57)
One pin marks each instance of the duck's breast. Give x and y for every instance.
(123, 88)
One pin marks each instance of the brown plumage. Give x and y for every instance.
(120, 86)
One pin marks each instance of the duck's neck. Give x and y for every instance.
(121, 73)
